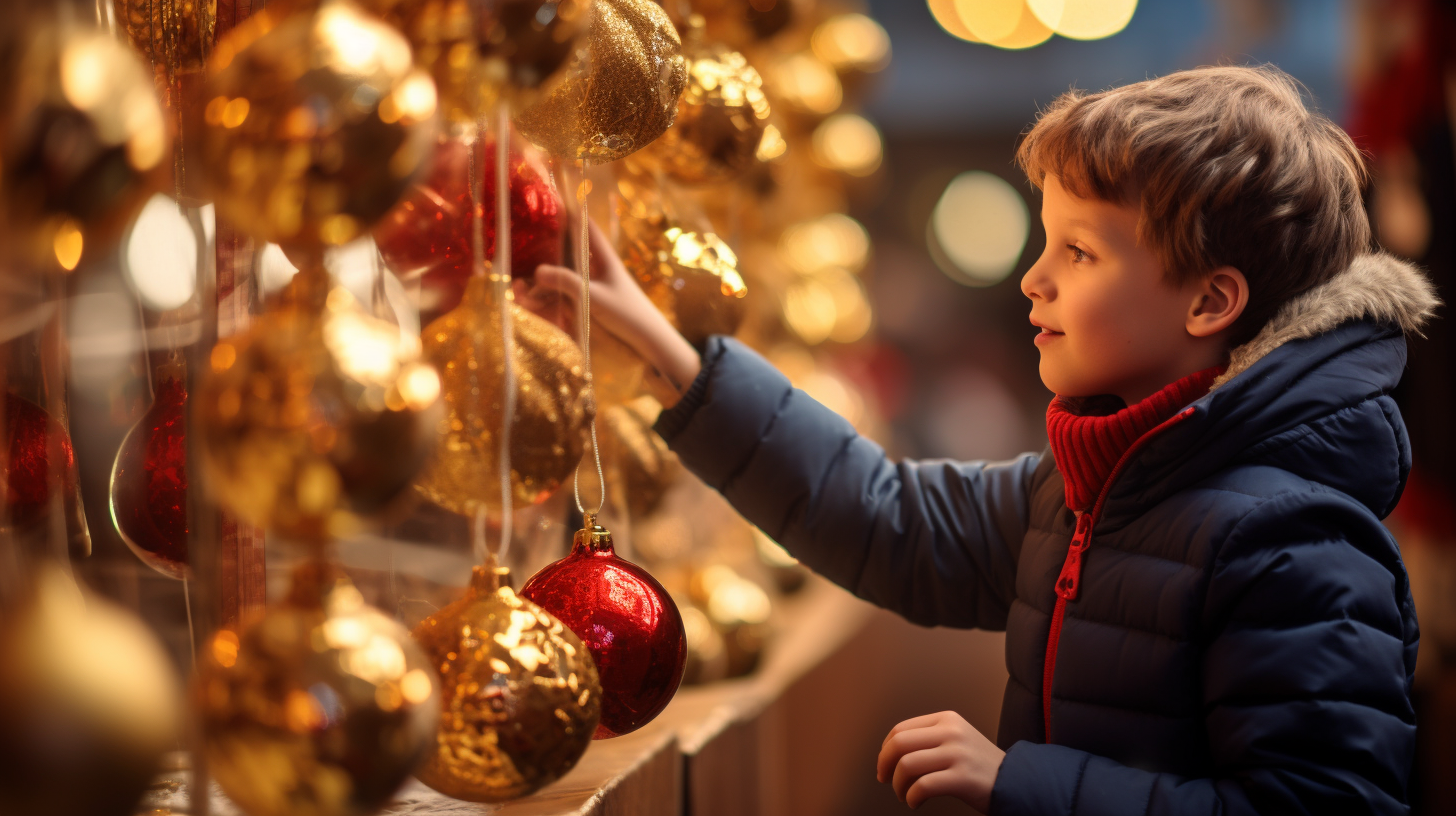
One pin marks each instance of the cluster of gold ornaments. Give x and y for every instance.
(520, 698)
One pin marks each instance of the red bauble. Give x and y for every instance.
(149, 483)
(628, 622)
(428, 234)
(25, 475)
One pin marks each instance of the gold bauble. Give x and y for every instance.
(617, 371)
(648, 467)
(519, 694)
(721, 119)
(482, 51)
(691, 275)
(314, 123)
(548, 433)
(175, 35)
(317, 417)
(618, 96)
(319, 706)
(88, 703)
(84, 141)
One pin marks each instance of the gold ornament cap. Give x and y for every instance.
(592, 537)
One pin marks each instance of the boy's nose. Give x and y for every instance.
(1035, 285)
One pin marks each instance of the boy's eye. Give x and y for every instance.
(1078, 255)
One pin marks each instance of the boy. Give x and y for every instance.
(1203, 613)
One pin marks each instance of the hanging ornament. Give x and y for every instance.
(322, 705)
(548, 435)
(519, 696)
(314, 123)
(428, 234)
(691, 275)
(482, 52)
(32, 436)
(149, 480)
(648, 467)
(739, 609)
(621, 95)
(722, 117)
(317, 417)
(174, 35)
(628, 622)
(84, 142)
(87, 703)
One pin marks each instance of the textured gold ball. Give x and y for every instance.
(88, 703)
(548, 434)
(175, 35)
(314, 123)
(317, 418)
(322, 705)
(519, 694)
(482, 51)
(721, 118)
(647, 465)
(618, 95)
(84, 141)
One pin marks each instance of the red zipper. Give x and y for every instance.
(1070, 579)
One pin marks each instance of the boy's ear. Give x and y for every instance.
(1218, 301)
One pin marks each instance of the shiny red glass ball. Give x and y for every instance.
(25, 474)
(628, 622)
(149, 483)
(428, 234)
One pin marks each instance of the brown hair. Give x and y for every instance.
(1227, 166)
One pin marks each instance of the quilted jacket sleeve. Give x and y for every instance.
(1311, 645)
(936, 542)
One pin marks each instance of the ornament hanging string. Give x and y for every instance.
(583, 254)
(502, 284)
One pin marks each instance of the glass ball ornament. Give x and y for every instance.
(88, 702)
(519, 695)
(31, 436)
(314, 122)
(552, 411)
(614, 100)
(721, 119)
(85, 141)
(316, 419)
(627, 620)
(320, 705)
(149, 481)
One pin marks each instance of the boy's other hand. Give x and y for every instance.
(939, 755)
(619, 306)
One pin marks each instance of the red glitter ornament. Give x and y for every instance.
(149, 483)
(626, 619)
(428, 234)
(25, 475)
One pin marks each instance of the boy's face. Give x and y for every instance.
(1111, 321)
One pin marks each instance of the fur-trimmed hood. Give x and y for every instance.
(1377, 287)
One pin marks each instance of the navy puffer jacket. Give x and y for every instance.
(1243, 639)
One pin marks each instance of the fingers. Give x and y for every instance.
(913, 766)
(922, 721)
(937, 783)
(558, 279)
(901, 744)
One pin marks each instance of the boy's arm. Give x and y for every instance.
(934, 541)
(1306, 683)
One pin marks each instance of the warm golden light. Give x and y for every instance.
(833, 240)
(806, 83)
(848, 143)
(810, 310)
(946, 16)
(979, 228)
(772, 145)
(990, 20)
(1029, 32)
(160, 255)
(84, 78)
(68, 245)
(1084, 19)
(852, 42)
(414, 99)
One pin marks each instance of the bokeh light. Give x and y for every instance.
(1018, 24)
(852, 42)
(806, 82)
(990, 20)
(1084, 19)
(979, 228)
(946, 16)
(160, 255)
(833, 240)
(848, 143)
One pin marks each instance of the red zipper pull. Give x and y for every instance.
(1071, 577)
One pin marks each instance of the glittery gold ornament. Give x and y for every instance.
(482, 51)
(721, 118)
(619, 96)
(84, 141)
(314, 123)
(519, 694)
(647, 465)
(691, 275)
(175, 35)
(88, 703)
(548, 433)
(322, 705)
(317, 417)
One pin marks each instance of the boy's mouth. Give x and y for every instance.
(1046, 335)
